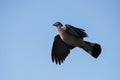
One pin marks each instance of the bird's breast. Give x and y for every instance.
(61, 32)
(67, 38)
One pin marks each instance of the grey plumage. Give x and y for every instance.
(68, 38)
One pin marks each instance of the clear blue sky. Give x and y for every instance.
(26, 38)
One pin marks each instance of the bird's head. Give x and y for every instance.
(57, 24)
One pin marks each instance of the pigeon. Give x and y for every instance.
(68, 38)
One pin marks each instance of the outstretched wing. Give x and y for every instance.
(60, 50)
(77, 32)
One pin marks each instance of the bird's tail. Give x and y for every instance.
(95, 49)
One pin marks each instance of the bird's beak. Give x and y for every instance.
(53, 25)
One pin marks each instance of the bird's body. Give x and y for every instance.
(68, 38)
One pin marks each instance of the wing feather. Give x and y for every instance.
(77, 32)
(60, 50)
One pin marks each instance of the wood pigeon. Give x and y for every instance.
(69, 37)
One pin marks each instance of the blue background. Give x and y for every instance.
(27, 34)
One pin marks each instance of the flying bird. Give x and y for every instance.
(69, 37)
